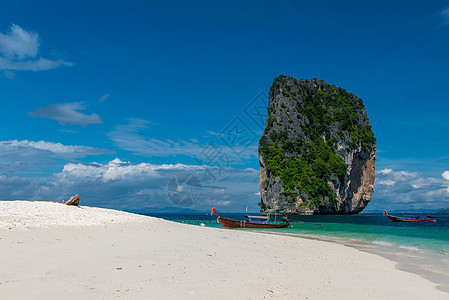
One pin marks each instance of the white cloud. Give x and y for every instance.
(127, 137)
(119, 184)
(386, 182)
(118, 170)
(15, 149)
(385, 171)
(18, 43)
(104, 97)
(445, 175)
(397, 175)
(29, 157)
(19, 49)
(40, 64)
(409, 190)
(213, 202)
(130, 137)
(66, 114)
(214, 133)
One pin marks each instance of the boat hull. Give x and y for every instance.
(230, 223)
(399, 219)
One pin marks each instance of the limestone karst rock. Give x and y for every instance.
(317, 152)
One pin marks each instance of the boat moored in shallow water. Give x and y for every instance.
(250, 222)
(408, 218)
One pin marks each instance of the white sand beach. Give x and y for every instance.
(54, 251)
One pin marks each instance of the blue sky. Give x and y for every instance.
(112, 100)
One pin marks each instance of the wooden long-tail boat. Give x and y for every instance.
(408, 218)
(230, 223)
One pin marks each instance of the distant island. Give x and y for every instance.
(444, 211)
(317, 152)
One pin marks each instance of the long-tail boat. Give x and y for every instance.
(250, 222)
(406, 218)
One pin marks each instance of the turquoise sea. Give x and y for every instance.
(373, 228)
(421, 248)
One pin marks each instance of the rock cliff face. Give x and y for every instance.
(317, 152)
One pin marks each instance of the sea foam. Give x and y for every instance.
(382, 243)
(409, 248)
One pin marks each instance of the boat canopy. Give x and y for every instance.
(258, 217)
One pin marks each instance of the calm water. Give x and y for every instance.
(373, 228)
